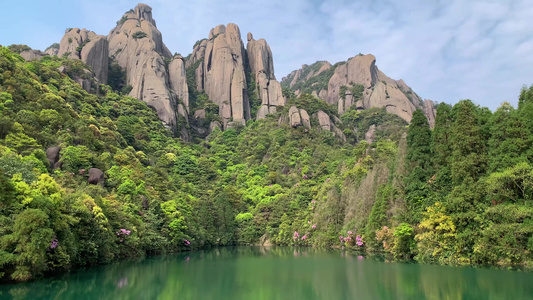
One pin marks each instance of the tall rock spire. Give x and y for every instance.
(137, 46)
(262, 68)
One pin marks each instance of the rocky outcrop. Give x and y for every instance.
(325, 124)
(220, 63)
(178, 81)
(96, 176)
(214, 125)
(52, 155)
(137, 46)
(295, 119)
(52, 50)
(221, 73)
(356, 84)
(262, 68)
(299, 117)
(324, 120)
(430, 111)
(370, 135)
(91, 48)
(84, 77)
(306, 121)
(30, 55)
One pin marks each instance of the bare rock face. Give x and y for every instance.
(214, 125)
(294, 117)
(30, 55)
(324, 120)
(262, 112)
(306, 121)
(52, 49)
(262, 67)
(360, 69)
(198, 53)
(52, 154)
(356, 83)
(326, 124)
(370, 134)
(221, 72)
(96, 176)
(91, 48)
(430, 112)
(178, 81)
(137, 46)
(199, 114)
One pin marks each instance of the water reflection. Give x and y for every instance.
(275, 273)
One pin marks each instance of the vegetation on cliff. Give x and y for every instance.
(458, 194)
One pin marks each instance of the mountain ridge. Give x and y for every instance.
(244, 92)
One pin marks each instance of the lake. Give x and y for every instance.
(275, 273)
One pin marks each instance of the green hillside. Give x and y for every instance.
(459, 194)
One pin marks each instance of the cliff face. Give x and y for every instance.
(225, 70)
(262, 68)
(223, 64)
(357, 83)
(91, 48)
(137, 46)
(221, 73)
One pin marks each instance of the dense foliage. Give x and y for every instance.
(456, 194)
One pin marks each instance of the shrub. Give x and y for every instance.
(139, 35)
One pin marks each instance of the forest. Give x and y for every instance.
(460, 193)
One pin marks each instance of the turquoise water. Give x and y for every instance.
(275, 273)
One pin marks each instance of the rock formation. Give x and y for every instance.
(29, 55)
(262, 68)
(370, 135)
(220, 64)
(52, 154)
(52, 50)
(356, 83)
(430, 111)
(221, 72)
(299, 117)
(91, 48)
(137, 46)
(96, 176)
(178, 83)
(294, 117)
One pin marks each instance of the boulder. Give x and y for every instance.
(306, 121)
(294, 117)
(262, 112)
(213, 125)
(324, 120)
(338, 133)
(30, 55)
(52, 50)
(52, 154)
(198, 53)
(96, 176)
(199, 114)
(283, 119)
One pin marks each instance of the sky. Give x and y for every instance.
(446, 50)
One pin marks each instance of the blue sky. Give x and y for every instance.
(446, 50)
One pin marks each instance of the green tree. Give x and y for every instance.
(468, 158)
